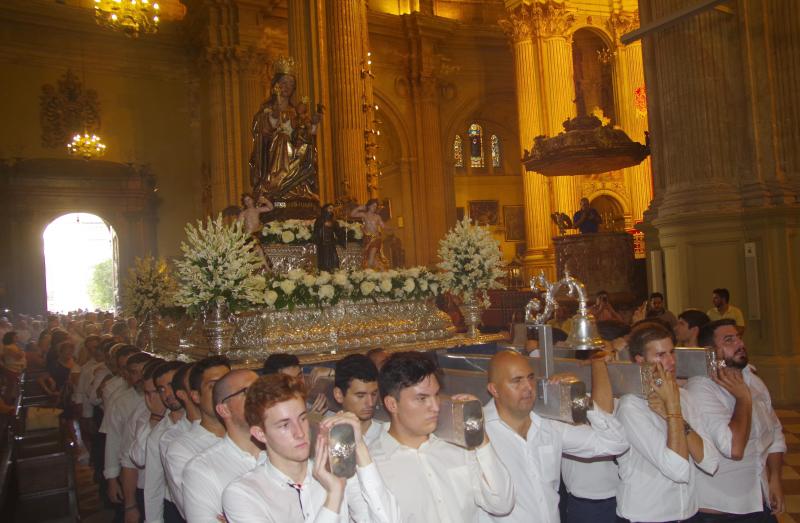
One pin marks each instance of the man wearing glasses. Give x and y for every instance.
(207, 475)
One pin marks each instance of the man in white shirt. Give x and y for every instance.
(433, 480)
(738, 416)
(531, 446)
(287, 487)
(658, 473)
(206, 476)
(169, 378)
(356, 390)
(117, 406)
(139, 425)
(83, 405)
(204, 432)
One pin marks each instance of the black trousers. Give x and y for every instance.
(171, 513)
(765, 516)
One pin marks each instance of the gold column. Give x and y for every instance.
(553, 25)
(347, 50)
(628, 75)
(519, 27)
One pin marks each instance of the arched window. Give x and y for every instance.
(475, 145)
(495, 143)
(458, 152)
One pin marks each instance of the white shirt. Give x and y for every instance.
(206, 476)
(535, 461)
(98, 375)
(656, 483)
(376, 428)
(138, 421)
(440, 482)
(123, 407)
(738, 486)
(82, 388)
(180, 451)
(266, 494)
(155, 483)
(591, 478)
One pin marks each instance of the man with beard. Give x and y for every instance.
(738, 416)
(356, 390)
(206, 476)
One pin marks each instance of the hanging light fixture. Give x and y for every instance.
(132, 17)
(86, 146)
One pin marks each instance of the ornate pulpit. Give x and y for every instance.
(602, 261)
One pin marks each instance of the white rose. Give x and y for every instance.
(423, 285)
(409, 285)
(340, 279)
(308, 280)
(296, 274)
(287, 237)
(386, 285)
(323, 278)
(434, 287)
(272, 296)
(326, 292)
(367, 287)
(287, 286)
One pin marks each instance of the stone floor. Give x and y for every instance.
(92, 509)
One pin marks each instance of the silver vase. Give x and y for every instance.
(218, 329)
(148, 333)
(472, 312)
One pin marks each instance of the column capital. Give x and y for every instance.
(623, 22)
(543, 19)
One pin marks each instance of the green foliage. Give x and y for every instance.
(101, 286)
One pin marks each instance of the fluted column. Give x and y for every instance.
(629, 75)
(519, 27)
(347, 51)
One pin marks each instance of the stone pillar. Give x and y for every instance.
(308, 47)
(724, 212)
(628, 76)
(553, 27)
(519, 27)
(433, 191)
(347, 50)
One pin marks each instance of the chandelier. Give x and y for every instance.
(86, 146)
(132, 17)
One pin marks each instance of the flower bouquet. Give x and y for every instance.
(148, 289)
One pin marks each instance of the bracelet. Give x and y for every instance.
(677, 416)
(157, 416)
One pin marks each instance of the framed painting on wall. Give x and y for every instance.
(484, 212)
(514, 218)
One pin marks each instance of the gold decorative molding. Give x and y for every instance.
(67, 108)
(623, 22)
(554, 19)
(543, 19)
(519, 25)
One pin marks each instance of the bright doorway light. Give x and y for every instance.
(79, 263)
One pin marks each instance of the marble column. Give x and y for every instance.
(519, 26)
(347, 50)
(554, 24)
(628, 76)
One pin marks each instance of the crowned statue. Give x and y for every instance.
(283, 163)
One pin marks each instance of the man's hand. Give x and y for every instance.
(114, 490)
(333, 485)
(732, 380)
(667, 389)
(777, 502)
(132, 515)
(640, 313)
(320, 404)
(342, 417)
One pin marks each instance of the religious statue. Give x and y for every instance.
(373, 257)
(251, 214)
(284, 159)
(327, 234)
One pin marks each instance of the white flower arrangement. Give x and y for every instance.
(219, 265)
(471, 261)
(149, 288)
(300, 232)
(298, 288)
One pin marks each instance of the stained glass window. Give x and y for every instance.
(458, 152)
(475, 145)
(495, 142)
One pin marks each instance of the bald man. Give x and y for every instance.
(207, 475)
(530, 446)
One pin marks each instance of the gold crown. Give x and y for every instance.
(283, 65)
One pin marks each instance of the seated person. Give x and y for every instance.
(433, 481)
(286, 486)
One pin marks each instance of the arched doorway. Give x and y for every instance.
(81, 263)
(611, 213)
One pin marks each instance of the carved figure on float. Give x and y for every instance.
(283, 162)
(373, 257)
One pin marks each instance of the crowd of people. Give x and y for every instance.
(202, 442)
